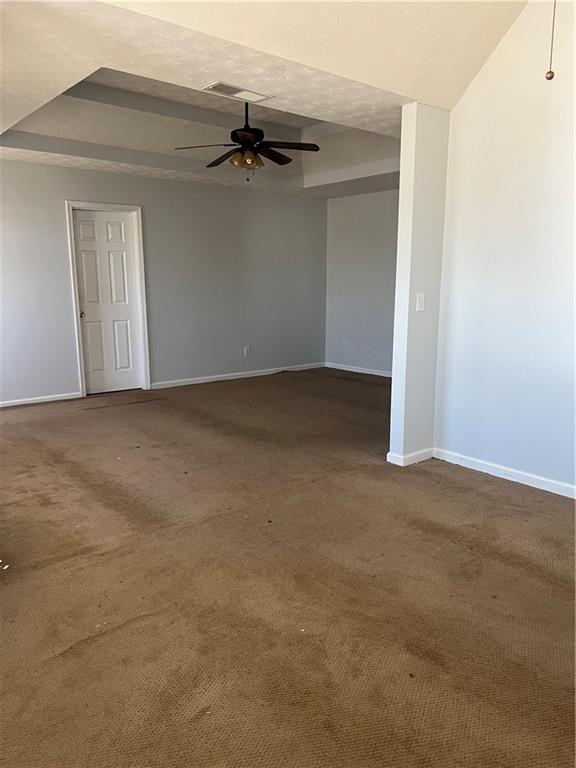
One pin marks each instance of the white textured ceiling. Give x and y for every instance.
(96, 123)
(425, 51)
(144, 85)
(388, 180)
(108, 166)
(352, 64)
(349, 148)
(98, 126)
(49, 47)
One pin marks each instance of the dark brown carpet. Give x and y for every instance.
(231, 576)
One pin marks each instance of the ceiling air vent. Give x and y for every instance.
(233, 92)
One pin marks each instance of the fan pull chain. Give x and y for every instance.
(550, 73)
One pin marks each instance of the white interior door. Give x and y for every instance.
(108, 291)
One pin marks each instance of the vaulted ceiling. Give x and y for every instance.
(424, 51)
(118, 85)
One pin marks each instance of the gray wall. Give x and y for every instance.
(361, 277)
(225, 268)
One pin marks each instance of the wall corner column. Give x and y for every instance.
(423, 163)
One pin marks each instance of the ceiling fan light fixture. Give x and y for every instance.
(246, 160)
(258, 163)
(249, 159)
(237, 159)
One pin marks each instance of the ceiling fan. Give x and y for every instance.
(249, 147)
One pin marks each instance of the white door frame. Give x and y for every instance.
(136, 217)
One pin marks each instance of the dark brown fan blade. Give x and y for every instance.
(271, 154)
(222, 158)
(302, 146)
(203, 146)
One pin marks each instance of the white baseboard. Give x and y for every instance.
(507, 473)
(236, 375)
(357, 369)
(43, 399)
(198, 380)
(404, 460)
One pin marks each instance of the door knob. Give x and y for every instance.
(82, 314)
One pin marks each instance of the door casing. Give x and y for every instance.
(135, 212)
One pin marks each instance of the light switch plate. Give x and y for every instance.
(419, 302)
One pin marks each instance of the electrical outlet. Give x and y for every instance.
(419, 302)
(247, 351)
(346, 346)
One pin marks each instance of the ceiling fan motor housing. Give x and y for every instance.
(247, 135)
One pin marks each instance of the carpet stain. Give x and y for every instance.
(231, 576)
